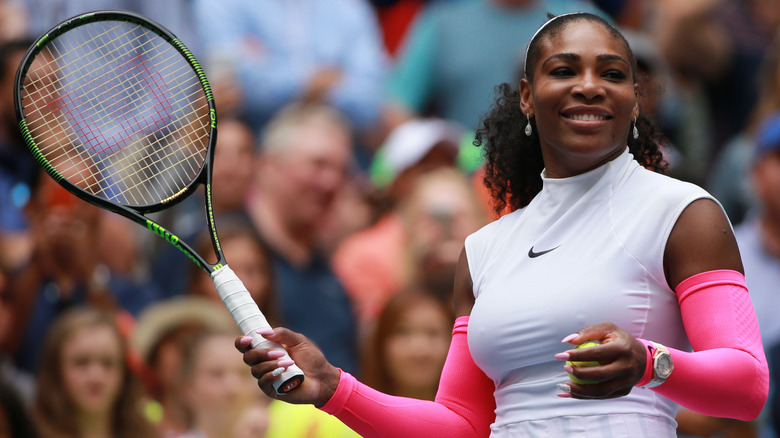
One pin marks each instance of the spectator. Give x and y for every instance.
(729, 178)
(66, 270)
(409, 345)
(85, 387)
(218, 388)
(175, 15)
(251, 262)
(759, 238)
(161, 333)
(234, 162)
(370, 261)
(18, 170)
(417, 243)
(715, 48)
(309, 51)
(457, 52)
(303, 165)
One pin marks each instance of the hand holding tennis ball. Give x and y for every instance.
(583, 364)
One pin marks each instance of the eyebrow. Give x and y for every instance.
(576, 57)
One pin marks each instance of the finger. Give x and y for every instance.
(595, 332)
(259, 355)
(243, 343)
(286, 337)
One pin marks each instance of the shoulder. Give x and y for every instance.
(659, 187)
(495, 228)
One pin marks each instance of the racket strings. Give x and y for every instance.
(123, 84)
(128, 158)
(160, 147)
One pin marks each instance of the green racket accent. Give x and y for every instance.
(37, 153)
(198, 69)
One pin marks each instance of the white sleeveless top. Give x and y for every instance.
(606, 231)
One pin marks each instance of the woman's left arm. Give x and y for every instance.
(727, 374)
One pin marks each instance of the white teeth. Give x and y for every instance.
(586, 117)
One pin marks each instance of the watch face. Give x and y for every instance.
(664, 366)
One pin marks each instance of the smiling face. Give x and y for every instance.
(582, 97)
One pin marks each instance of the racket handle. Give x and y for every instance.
(249, 318)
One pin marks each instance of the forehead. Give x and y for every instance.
(582, 37)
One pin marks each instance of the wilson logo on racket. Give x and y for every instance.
(170, 238)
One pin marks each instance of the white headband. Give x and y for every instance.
(525, 60)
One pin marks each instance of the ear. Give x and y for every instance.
(526, 98)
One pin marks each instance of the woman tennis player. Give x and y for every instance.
(599, 236)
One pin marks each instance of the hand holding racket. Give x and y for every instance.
(119, 112)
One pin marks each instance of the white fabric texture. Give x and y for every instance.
(606, 231)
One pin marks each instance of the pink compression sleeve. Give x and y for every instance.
(727, 374)
(464, 405)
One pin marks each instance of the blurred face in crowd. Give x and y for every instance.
(307, 173)
(766, 180)
(441, 212)
(417, 346)
(218, 384)
(582, 98)
(233, 165)
(92, 369)
(249, 262)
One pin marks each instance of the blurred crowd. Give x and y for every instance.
(345, 181)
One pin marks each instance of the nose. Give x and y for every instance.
(588, 87)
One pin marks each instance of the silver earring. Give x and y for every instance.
(528, 129)
(636, 131)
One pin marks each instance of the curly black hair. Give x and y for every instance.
(513, 160)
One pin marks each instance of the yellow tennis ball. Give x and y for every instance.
(583, 364)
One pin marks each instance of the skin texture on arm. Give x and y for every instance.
(464, 288)
(701, 240)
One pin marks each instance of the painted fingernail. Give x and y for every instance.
(562, 356)
(265, 331)
(246, 340)
(569, 338)
(564, 387)
(275, 354)
(568, 369)
(564, 395)
(285, 363)
(278, 372)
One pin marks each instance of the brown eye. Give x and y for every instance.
(562, 71)
(615, 75)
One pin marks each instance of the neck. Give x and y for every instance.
(294, 243)
(95, 425)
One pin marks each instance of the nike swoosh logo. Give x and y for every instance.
(534, 255)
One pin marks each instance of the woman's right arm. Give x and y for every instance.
(464, 405)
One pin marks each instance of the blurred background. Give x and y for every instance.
(345, 182)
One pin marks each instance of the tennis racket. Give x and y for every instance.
(119, 112)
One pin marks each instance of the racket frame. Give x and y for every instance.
(134, 213)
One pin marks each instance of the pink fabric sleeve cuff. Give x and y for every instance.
(727, 374)
(464, 405)
(648, 375)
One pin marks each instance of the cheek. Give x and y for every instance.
(396, 354)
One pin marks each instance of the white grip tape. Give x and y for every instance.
(249, 318)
